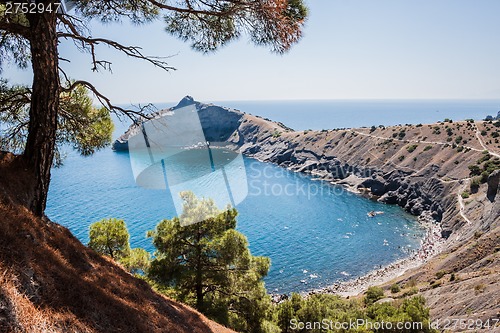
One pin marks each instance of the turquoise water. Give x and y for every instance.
(314, 233)
(307, 228)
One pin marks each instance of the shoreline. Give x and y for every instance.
(431, 245)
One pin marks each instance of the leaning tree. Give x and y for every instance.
(30, 31)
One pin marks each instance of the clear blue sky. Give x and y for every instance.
(352, 49)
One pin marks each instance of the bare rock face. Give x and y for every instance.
(188, 100)
(218, 123)
(493, 187)
(377, 185)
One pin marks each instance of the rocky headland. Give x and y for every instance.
(446, 173)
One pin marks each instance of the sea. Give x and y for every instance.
(315, 233)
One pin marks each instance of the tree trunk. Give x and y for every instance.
(39, 152)
(199, 291)
(199, 273)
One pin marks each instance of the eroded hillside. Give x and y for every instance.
(449, 170)
(50, 282)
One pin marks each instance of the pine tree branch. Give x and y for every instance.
(19, 97)
(135, 116)
(131, 51)
(73, 24)
(65, 76)
(14, 28)
(16, 130)
(213, 9)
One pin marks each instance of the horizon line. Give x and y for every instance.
(317, 100)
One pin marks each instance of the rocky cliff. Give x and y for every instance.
(209, 115)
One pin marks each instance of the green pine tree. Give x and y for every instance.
(110, 237)
(79, 124)
(211, 267)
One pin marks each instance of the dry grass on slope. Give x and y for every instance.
(19, 314)
(50, 282)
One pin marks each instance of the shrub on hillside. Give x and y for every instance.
(474, 170)
(323, 308)
(411, 148)
(411, 292)
(474, 185)
(395, 288)
(373, 294)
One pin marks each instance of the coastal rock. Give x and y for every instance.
(218, 123)
(120, 144)
(214, 129)
(385, 300)
(415, 206)
(188, 100)
(493, 188)
(490, 117)
(376, 185)
(390, 198)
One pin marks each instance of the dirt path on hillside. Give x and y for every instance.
(461, 200)
(466, 181)
(428, 142)
(478, 136)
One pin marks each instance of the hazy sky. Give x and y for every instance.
(352, 49)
